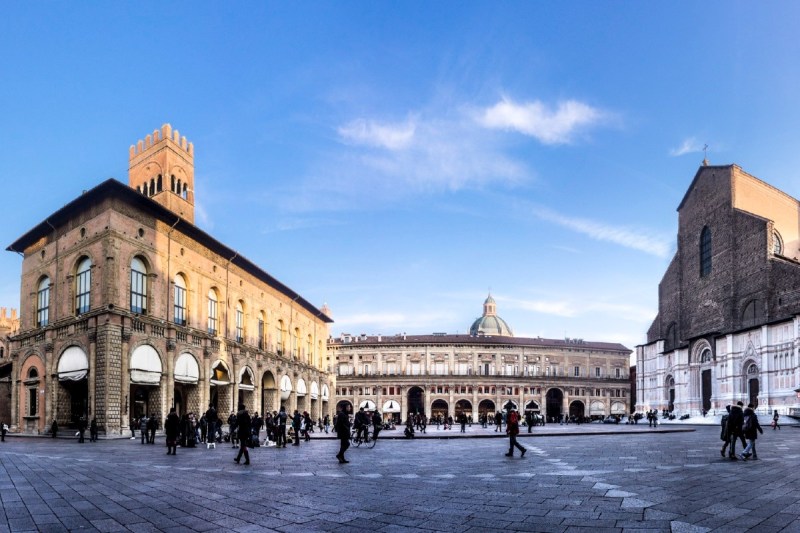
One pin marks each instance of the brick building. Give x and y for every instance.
(483, 372)
(728, 323)
(128, 308)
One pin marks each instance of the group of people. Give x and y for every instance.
(741, 425)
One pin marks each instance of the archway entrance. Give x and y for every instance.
(269, 393)
(415, 401)
(554, 400)
(486, 407)
(73, 368)
(345, 406)
(185, 392)
(576, 410)
(671, 394)
(752, 391)
(439, 409)
(532, 406)
(706, 389)
(140, 406)
(509, 405)
(464, 407)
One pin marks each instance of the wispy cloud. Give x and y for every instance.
(382, 135)
(630, 238)
(689, 145)
(549, 125)
(391, 322)
(571, 307)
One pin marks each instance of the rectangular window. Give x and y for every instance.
(138, 298)
(239, 326)
(212, 316)
(180, 306)
(577, 371)
(43, 313)
(32, 402)
(617, 372)
(391, 369)
(82, 293)
(260, 334)
(597, 371)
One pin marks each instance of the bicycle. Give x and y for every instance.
(357, 441)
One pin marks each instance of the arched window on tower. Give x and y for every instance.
(152, 186)
(185, 192)
(178, 191)
(705, 252)
(158, 184)
(172, 180)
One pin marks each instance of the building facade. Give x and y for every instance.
(728, 323)
(128, 308)
(483, 372)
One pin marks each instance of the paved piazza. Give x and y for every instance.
(567, 482)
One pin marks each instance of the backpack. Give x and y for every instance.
(747, 425)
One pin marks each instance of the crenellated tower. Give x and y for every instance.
(162, 167)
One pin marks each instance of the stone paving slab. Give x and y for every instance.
(625, 481)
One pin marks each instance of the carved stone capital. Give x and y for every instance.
(126, 336)
(93, 336)
(170, 345)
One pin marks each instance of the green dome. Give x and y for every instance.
(490, 323)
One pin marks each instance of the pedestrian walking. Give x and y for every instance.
(735, 421)
(152, 425)
(512, 429)
(342, 427)
(723, 434)
(54, 429)
(280, 425)
(143, 428)
(775, 418)
(3, 430)
(750, 428)
(243, 426)
(297, 421)
(81, 428)
(377, 424)
(171, 428)
(93, 430)
(498, 421)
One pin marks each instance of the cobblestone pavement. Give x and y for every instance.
(622, 482)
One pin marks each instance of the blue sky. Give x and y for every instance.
(400, 160)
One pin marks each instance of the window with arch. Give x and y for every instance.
(43, 303)
(212, 312)
(752, 369)
(179, 300)
(296, 343)
(138, 286)
(83, 286)
(33, 373)
(705, 252)
(777, 243)
(239, 322)
(309, 349)
(705, 355)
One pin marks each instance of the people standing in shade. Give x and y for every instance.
(93, 432)
(143, 428)
(327, 423)
(280, 426)
(152, 425)
(529, 421)
(171, 428)
(735, 420)
(377, 424)
(462, 419)
(512, 429)
(211, 421)
(308, 425)
(54, 429)
(243, 427)
(498, 421)
(775, 418)
(297, 420)
(4, 429)
(750, 429)
(342, 427)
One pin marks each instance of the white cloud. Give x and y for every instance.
(688, 146)
(535, 119)
(627, 237)
(372, 133)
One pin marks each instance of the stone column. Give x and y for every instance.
(125, 377)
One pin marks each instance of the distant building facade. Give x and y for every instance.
(728, 323)
(128, 308)
(483, 372)
(9, 325)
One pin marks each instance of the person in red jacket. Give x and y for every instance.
(512, 429)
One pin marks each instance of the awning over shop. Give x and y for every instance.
(73, 365)
(301, 387)
(597, 408)
(618, 408)
(314, 390)
(369, 405)
(325, 393)
(246, 379)
(220, 374)
(391, 407)
(187, 369)
(286, 388)
(145, 365)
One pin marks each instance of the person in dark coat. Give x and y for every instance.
(280, 427)
(297, 420)
(152, 425)
(54, 429)
(750, 428)
(171, 427)
(735, 420)
(211, 420)
(342, 427)
(512, 428)
(243, 427)
(93, 432)
(81, 428)
(723, 433)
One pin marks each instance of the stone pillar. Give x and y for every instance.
(125, 378)
(451, 406)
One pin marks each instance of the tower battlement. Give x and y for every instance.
(165, 133)
(161, 167)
